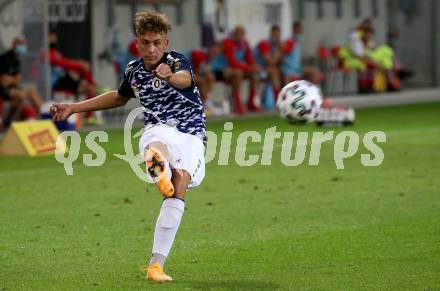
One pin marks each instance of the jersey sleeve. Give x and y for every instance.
(230, 56)
(198, 57)
(125, 89)
(57, 59)
(288, 46)
(178, 62)
(182, 64)
(264, 48)
(250, 61)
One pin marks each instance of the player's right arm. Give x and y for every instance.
(61, 111)
(104, 101)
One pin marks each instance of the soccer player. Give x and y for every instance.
(239, 57)
(173, 140)
(269, 55)
(292, 67)
(369, 60)
(205, 77)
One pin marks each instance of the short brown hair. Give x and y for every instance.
(275, 27)
(151, 20)
(297, 24)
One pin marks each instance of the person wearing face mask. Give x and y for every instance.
(292, 67)
(57, 59)
(21, 98)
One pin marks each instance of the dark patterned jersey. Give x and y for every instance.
(165, 104)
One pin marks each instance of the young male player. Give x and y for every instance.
(173, 138)
(269, 55)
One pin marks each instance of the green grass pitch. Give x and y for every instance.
(246, 228)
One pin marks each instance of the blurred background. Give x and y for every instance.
(271, 227)
(93, 40)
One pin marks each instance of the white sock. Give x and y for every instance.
(157, 258)
(167, 225)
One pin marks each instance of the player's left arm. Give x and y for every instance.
(181, 79)
(264, 50)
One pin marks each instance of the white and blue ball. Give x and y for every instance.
(299, 101)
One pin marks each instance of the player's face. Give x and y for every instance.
(240, 34)
(214, 50)
(298, 29)
(368, 35)
(152, 46)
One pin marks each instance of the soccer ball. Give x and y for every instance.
(299, 101)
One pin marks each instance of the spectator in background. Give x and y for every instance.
(362, 54)
(205, 77)
(313, 75)
(122, 58)
(11, 88)
(222, 72)
(292, 66)
(355, 55)
(269, 55)
(237, 63)
(80, 67)
(133, 50)
(76, 77)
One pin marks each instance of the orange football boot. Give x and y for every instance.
(156, 168)
(155, 273)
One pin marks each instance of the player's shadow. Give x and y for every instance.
(232, 285)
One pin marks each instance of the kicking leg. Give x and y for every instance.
(157, 159)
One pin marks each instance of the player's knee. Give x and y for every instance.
(238, 74)
(17, 97)
(271, 70)
(181, 180)
(253, 79)
(277, 72)
(30, 91)
(210, 77)
(160, 147)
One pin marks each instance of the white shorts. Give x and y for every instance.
(187, 152)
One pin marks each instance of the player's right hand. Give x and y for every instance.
(60, 111)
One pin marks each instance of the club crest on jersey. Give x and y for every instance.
(156, 84)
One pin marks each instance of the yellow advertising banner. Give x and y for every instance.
(33, 138)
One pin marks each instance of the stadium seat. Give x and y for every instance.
(324, 66)
(337, 69)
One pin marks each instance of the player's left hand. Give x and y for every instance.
(163, 71)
